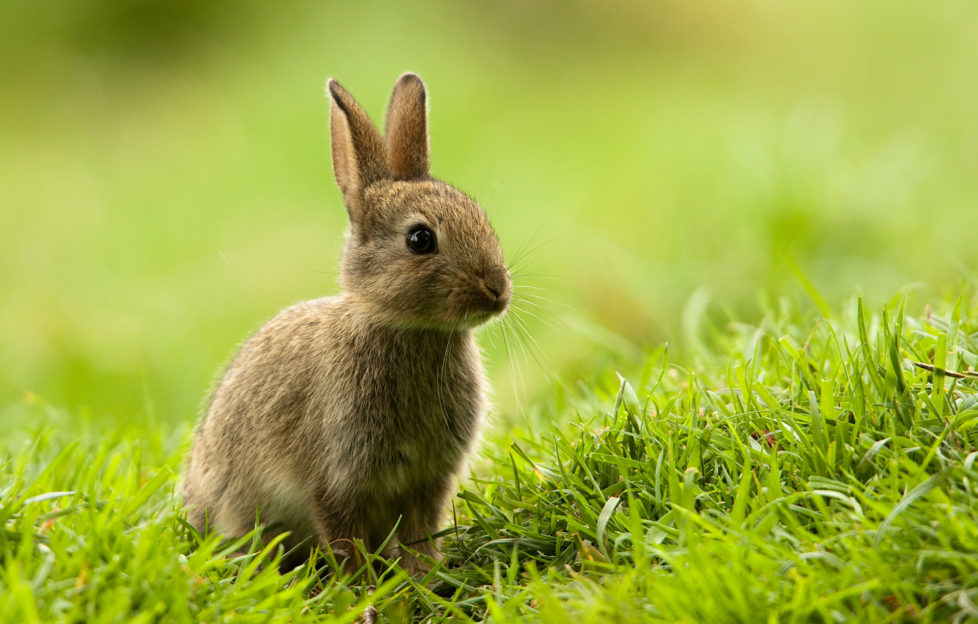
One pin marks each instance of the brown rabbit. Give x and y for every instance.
(346, 416)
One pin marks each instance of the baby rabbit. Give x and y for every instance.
(346, 416)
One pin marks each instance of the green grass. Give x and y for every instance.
(802, 469)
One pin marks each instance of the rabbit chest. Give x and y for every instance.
(401, 407)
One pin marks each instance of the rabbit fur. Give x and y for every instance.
(346, 416)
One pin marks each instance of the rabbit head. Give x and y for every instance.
(419, 253)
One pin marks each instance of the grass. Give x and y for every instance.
(801, 469)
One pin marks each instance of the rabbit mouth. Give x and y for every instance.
(478, 305)
(478, 317)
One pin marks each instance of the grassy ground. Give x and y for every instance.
(804, 469)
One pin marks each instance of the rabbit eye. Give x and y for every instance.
(421, 240)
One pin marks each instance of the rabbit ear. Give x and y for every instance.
(359, 155)
(407, 129)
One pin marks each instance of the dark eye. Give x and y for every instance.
(421, 240)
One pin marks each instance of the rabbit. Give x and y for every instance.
(347, 416)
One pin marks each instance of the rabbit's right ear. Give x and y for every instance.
(407, 129)
(359, 155)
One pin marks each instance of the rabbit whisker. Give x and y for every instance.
(541, 315)
(533, 345)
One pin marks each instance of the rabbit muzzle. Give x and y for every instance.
(491, 293)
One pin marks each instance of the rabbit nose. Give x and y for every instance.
(496, 283)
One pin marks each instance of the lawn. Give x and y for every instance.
(804, 469)
(737, 380)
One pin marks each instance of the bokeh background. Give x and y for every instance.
(165, 181)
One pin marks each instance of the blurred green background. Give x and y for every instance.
(165, 181)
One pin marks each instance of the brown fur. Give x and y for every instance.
(345, 415)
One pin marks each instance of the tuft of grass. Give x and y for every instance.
(806, 468)
(803, 470)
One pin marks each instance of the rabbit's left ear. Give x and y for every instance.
(407, 129)
(359, 154)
